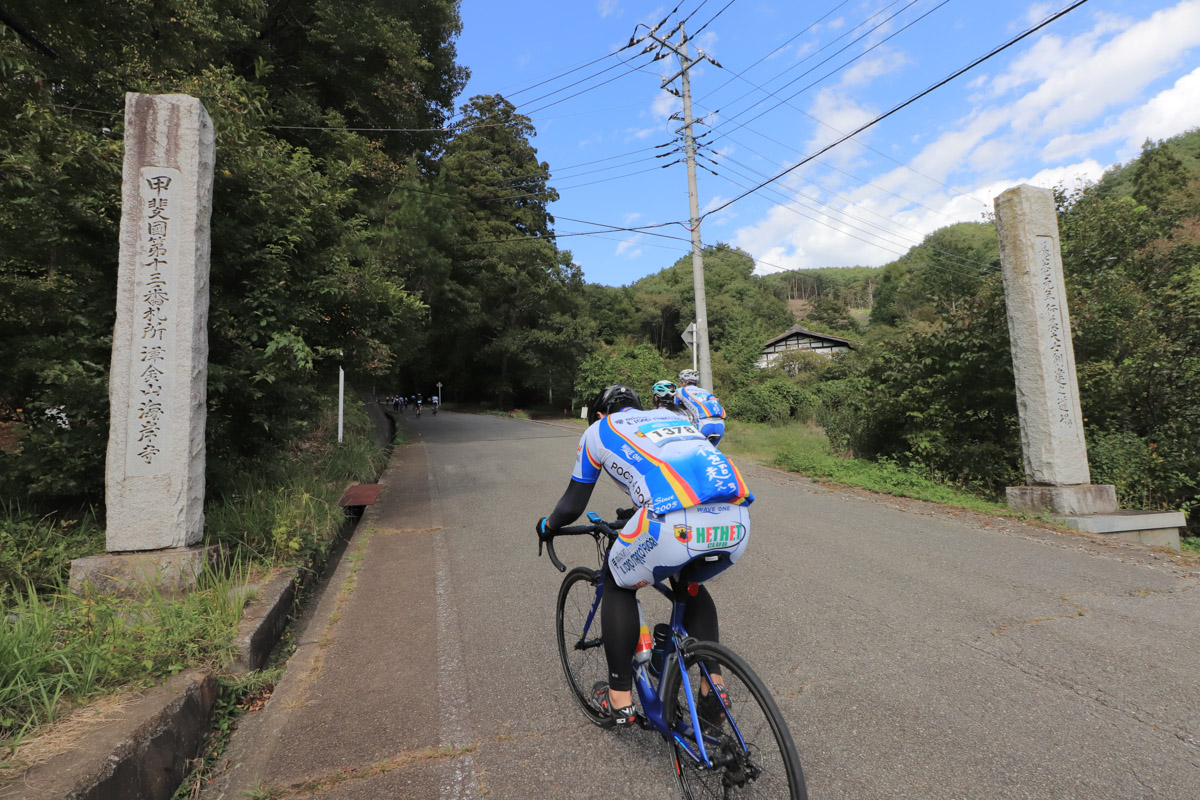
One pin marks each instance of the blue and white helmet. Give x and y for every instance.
(664, 391)
(689, 376)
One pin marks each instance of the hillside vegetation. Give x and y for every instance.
(354, 225)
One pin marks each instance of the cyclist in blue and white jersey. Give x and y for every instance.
(704, 409)
(691, 506)
(664, 396)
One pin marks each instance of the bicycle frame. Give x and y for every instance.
(652, 703)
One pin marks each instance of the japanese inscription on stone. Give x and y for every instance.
(1055, 328)
(153, 347)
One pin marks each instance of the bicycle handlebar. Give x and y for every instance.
(595, 529)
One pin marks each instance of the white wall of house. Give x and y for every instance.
(823, 347)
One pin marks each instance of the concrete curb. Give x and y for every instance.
(263, 622)
(155, 738)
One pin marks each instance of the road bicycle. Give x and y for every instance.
(740, 748)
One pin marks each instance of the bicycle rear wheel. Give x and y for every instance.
(750, 746)
(580, 644)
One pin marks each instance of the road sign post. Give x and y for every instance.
(689, 338)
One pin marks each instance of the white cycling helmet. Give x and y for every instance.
(689, 376)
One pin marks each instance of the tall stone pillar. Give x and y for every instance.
(154, 487)
(1057, 476)
(1039, 328)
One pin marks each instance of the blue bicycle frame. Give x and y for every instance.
(652, 703)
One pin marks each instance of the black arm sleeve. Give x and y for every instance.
(571, 504)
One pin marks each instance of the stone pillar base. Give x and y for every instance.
(1159, 528)
(1084, 498)
(171, 572)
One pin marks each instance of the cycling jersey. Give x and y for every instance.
(662, 461)
(704, 409)
(699, 403)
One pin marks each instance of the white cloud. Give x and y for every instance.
(608, 7)
(628, 247)
(840, 115)
(641, 133)
(864, 72)
(1038, 12)
(1166, 114)
(1041, 120)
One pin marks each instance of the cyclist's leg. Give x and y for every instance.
(619, 621)
(700, 621)
(646, 551)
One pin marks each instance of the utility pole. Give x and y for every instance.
(689, 141)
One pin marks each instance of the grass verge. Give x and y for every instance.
(804, 449)
(59, 650)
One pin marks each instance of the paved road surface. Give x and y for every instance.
(916, 653)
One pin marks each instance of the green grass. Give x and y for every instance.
(38, 549)
(57, 649)
(516, 413)
(287, 512)
(804, 449)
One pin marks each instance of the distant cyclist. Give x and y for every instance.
(692, 506)
(665, 396)
(435, 403)
(704, 409)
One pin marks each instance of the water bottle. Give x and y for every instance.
(642, 654)
(658, 652)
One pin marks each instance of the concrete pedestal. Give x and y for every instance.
(1159, 528)
(171, 572)
(1085, 498)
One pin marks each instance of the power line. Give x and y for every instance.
(825, 47)
(850, 202)
(780, 47)
(940, 262)
(910, 101)
(834, 71)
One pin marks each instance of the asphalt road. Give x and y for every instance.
(915, 652)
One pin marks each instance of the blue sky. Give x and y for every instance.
(1060, 106)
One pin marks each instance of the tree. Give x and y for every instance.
(297, 276)
(1158, 174)
(519, 296)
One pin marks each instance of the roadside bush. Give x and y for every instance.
(776, 400)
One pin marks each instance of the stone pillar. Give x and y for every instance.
(1039, 327)
(158, 382)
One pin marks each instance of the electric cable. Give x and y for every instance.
(992, 53)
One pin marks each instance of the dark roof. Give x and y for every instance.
(797, 330)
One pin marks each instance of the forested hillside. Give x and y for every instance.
(359, 220)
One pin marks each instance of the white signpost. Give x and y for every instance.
(689, 338)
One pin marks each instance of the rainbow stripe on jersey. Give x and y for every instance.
(660, 460)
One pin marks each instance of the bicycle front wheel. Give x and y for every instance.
(748, 742)
(580, 639)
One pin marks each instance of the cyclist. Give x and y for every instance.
(691, 506)
(664, 394)
(705, 410)
(434, 400)
(418, 405)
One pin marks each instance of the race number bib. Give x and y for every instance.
(659, 433)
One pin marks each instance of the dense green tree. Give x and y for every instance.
(514, 323)
(1158, 174)
(937, 275)
(297, 274)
